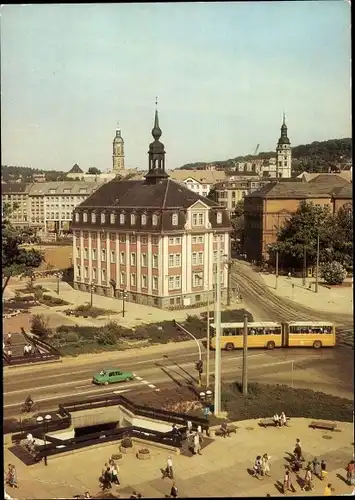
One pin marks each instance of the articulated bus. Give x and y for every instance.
(270, 335)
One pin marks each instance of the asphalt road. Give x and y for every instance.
(329, 370)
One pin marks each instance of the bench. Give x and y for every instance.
(331, 426)
(230, 429)
(270, 421)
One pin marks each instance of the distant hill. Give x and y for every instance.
(13, 173)
(321, 156)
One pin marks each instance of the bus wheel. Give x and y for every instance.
(317, 344)
(270, 345)
(229, 347)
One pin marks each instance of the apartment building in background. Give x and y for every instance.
(198, 181)
(16, 195)
(230, 192)
(155, 239)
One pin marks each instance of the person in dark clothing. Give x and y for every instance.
(106, 484)
(174, 491)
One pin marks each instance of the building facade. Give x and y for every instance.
(198, 181)
(283, 154)
(229, 193)
(118, 153)
(16, 197)
(154, 239)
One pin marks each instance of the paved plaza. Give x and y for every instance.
(223, 469)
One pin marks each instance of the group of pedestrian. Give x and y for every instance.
(135, 494)
(280, 420)
(262, 466)
(11, 476)
(194, 438)
(109, 475)
(28, 350)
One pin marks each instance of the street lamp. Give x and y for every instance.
(45, 422)
(208, 335)
(199, 364)
(59, 276)
(123, 294)
(92, 289)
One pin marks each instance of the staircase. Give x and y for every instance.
(18, 342)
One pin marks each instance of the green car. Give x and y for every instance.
(111, 376)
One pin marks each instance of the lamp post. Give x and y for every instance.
(45, 422)
(59, 276)
(304, 265)
(208, 337)
(277, 260)
(199, 363)
(245, 357)
(123, 295)
(217, 320)
(92, 289)
(317, 264)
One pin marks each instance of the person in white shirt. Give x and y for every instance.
(276, 419)
(197, 444)
(283, 419)
(189, 426)
(199, 429)
(169, 468)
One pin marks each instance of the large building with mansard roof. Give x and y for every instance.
(155, 239)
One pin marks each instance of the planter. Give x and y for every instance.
(126, 451)
(143, 456)
(116, 456)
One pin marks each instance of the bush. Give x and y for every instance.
(127, 442)
(333, 273)
(105, 337)
(48, 300)
(40, 326)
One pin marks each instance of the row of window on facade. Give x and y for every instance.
(174, 282)
(173, 240)
(198, 219)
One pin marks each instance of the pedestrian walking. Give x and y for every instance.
(298, 450)
(258, 467)
(189, 426)
(9, 339)
(316, 467)
(174, 491)
(283, 419)
(350, 472)
(328, 490)
(114, 474)
(9, 354)
(286, 481)
(169, 468)
(12, 476)
(25, 350)
(265, 463)
(197, 444)
(176, 434)
(323, 470)
(107, 479)
(308, 479)
(199, 429)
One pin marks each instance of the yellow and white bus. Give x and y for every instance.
(269, 335)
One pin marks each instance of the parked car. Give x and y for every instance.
(112, 376)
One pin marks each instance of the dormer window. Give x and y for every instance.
(155, 220)
(174, 219)
(133, 219)
(122, 218)
(112, 218)
(144, 220)
(219, 217)
(85, 217)
(102, 218)
(77, 217)
(93, 217)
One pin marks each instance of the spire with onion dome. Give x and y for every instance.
(156, 153)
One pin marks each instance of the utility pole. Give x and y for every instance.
(229, 264)
(317, 264)
(208, 343)
(304, 265)
(277, 268)
(245, 356)
(217, 321)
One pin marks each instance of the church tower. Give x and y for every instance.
(283, 154)
(156, 154)
(118, 153)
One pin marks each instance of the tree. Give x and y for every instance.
(333, 273)
(16, 259)
(94, 171)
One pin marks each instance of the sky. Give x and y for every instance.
(223, 72)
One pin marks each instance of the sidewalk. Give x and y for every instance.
(223, 469)
(339, 299)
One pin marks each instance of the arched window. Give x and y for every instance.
(155, 220)
(112, 218)
(93, 217)
(174, 219)
(144, 219)
(122, 218)
(219, 217)
(133, 219)
(76, 216)
(102, 218)
(85, 217)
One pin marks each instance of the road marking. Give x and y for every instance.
(134, 374)
(138, 378)
(158, 390)
(152, 386)
(42, 387)
(251, 356)
(145, 382)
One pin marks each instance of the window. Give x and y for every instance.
(102, 218)
(113, 257)
(155, 220)
(155, 282)
(133, 219)
(171, 283)
(112, 236)
(197, 219)
(215, 256)
(103, 255)
(77, 217)
(133, 239)
(93, 253)
(112, 218)
(155, 240)
(86, 253)
(133, 279)
(78, 271)
(219, 217)
(144, 281)
(171, 260)
(144, 220)
(197, 298)
(172, 302)
(171, 241)
(86, 272)
(174, 219)
(123, 278)
(122, 258)
(133, 259)
(200, 219)
(144, 240)
(144, 260)
(197, 279)
(122, 218)
(155, 260)
(194, 258)
(78, 252)
(178, 260)
(93, 217)
(122, 238)
(103, 275)
(93, 236)
(94, 275)
(200, 258)
(178, 241)
(200, 239)
(177, 282)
